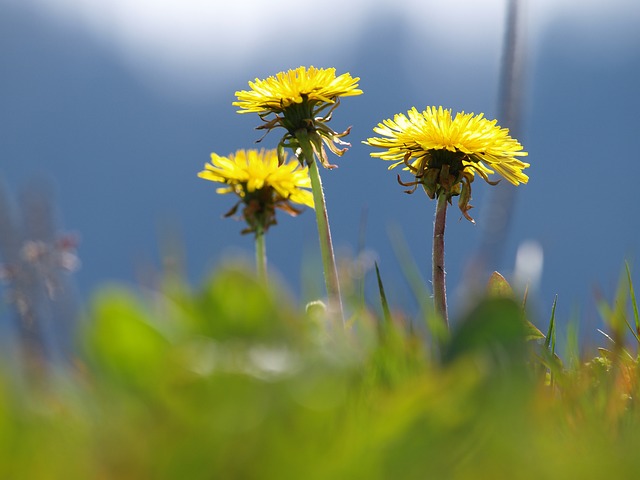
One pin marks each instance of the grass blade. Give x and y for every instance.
(634, 303)
(551, 333)
(383, 298)
(409, 268)
(439, 334)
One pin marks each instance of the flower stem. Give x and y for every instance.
(261, 255)
(324, 233)
(439, 284)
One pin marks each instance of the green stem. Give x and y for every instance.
(439, 284)
(324, 233)
(261, 255)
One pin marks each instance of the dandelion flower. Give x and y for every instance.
(444, 153)
(262, 184)
(294, 100)
(314, 86)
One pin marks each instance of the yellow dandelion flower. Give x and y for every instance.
(444, 152)
(261, 183)
(315, 85)
(295, 99)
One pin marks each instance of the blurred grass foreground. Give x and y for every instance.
(233, 379)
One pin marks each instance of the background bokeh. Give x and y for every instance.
(118, 105)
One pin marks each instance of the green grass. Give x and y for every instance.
(235, 380)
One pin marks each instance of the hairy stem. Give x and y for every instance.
(261, 255)
(324, 233)
(439, 283)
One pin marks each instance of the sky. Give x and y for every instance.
(118, 104)
(182, 44)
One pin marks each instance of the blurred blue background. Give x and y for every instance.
(119, 104)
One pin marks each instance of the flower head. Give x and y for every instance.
(444, 153)
(315, 85)
(293, 100)
(262, 183)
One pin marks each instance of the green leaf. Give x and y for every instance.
(234, 304)
(497, 286)
(494, 327)
(122, 341)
